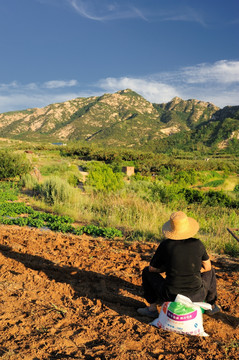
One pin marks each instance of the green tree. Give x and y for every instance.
(13, 164)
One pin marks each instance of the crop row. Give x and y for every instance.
(18, 213)
(62, 226)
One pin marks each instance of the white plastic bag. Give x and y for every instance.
(182, 316)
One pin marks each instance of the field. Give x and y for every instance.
(140, 205)
(73, 293)
(75, 297)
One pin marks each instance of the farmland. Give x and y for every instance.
(75, 297)
(72, 254)
(138, 205)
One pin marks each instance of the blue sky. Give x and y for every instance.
(56, 50)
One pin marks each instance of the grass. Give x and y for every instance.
(58, 310)
(142, 220)
(230, 183)
(213, 224)
(131, 210)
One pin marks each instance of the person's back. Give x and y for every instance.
(182, 260)
(186, 263)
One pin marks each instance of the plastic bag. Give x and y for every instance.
(182, 316)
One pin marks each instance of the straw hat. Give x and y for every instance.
(180, 226)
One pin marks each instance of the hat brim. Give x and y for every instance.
(172, 234)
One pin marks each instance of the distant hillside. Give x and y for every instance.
(126, 119)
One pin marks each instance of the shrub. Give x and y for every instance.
(55, 169)
(210, 198)
(13, 164)
(166, 173)
(73, 180)
(165, 194)
(103, 179)
(186, 177)
(193, 196)
(56, 191)
(28, 181)
(215, 198)
(236, 189)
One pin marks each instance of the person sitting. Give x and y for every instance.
(188, 269)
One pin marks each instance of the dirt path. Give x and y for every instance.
(69, 297)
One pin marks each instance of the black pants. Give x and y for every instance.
(155, 289)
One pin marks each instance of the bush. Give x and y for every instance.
(28, 181)
(143, 188)
(103, 179)
(165, 173)
(186, 177)
(56, 191)
(215, 198)
(73, 180)
(13, 165)
(193, 196)
(55, 169)
(236, 189)
(166, 194)
(210, 198)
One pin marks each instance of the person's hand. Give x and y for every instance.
(153, 269)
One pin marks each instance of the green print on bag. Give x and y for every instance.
(180, 312)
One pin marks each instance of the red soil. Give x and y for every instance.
(69, 297)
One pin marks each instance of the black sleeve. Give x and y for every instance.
(204, 253)
(158, 260)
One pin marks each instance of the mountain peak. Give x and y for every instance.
(123, 118)
(128, 92)
(176, 99)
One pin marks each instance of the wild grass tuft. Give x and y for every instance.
(57, 191)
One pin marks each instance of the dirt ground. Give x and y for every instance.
(71, 297)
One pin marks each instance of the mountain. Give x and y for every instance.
(125, 119)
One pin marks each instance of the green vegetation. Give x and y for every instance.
(126, 119)
(147, 162)
(13, 165)
(236, 189)
(18, 213)
(102, 179)
(214, 183)
(55, 190)
(137, 205)
(8, 191)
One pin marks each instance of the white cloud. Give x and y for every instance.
(17, 96)
(217, 83)
(220, 97)
(105, 10)
(55, 84)
(18, 101)
(12, 85)
(223, 71)
(152, 90)
(185, 14)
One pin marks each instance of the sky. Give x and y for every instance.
(56, 50)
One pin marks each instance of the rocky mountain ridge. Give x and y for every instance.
(124, 118)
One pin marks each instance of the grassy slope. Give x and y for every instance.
(131, 212)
